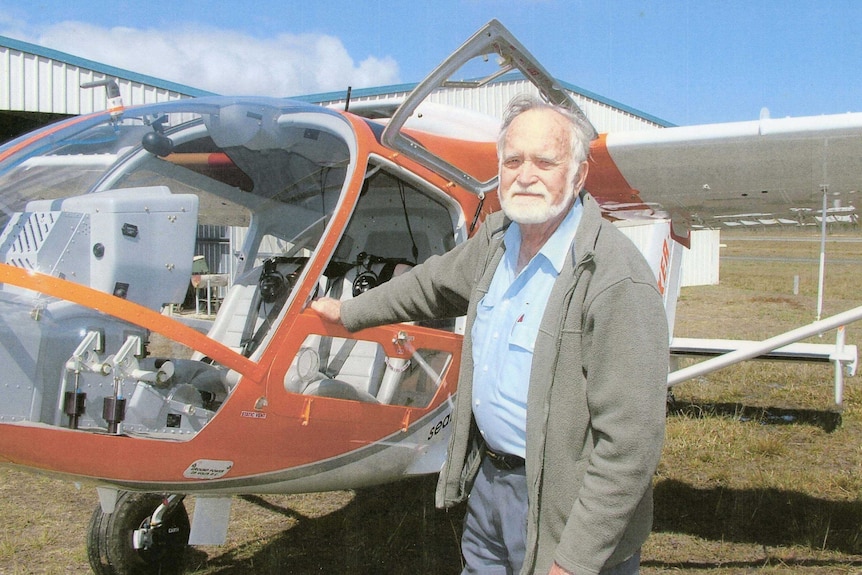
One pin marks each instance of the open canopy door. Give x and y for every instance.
(494, 39)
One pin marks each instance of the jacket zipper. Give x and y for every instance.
(579, 268)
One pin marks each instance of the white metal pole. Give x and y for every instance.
(760, 348)
(839, 369)
(822, 274)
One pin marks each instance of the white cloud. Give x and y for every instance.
(222, 61)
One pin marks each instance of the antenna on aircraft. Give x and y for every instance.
(114, 102)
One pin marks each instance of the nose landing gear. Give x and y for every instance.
(140, 537)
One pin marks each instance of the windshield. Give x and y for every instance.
(267, 167)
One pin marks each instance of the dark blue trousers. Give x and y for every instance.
(495, 527)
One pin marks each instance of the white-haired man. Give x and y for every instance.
(559, 418)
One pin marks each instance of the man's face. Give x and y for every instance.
(535, 183)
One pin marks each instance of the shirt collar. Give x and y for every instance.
(558, 245)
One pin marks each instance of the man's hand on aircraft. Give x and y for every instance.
(329, 308)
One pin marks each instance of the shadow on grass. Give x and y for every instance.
(827, 420)
(395, 529)
(389, 529)
(768, 517)
(749, 566)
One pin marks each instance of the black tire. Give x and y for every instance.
(109, 538)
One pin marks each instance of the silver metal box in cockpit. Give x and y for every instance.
(135, 243)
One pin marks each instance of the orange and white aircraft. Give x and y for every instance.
(105, 382)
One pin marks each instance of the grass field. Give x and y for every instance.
(761, 472)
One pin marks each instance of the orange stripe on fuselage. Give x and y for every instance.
(131, 312)
(605, 181)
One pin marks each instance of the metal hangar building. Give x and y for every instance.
(39, 85)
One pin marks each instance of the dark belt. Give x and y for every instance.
(504, 461)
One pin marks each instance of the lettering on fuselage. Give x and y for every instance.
(439, 426)
(208, 469)
(664, 266)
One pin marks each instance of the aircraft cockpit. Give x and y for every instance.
(100, 227)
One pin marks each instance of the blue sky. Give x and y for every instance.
(687, 62)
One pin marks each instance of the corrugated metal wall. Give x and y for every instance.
(214, 243)
(699, 262)
(492, 99)
(700, 265)
(38, 82)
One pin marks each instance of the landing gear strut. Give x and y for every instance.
(141, 537)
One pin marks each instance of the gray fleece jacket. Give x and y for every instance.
(596, 403)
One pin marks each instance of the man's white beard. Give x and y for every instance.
(533, 210)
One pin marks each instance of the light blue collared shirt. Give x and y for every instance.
(504, 334)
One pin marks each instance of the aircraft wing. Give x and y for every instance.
(769, 170)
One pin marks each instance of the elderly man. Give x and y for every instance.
(559, 418)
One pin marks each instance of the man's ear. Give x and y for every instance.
(581, 177)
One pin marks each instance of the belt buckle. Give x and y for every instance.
(503, 461)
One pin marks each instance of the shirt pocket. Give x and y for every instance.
(523, 335)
